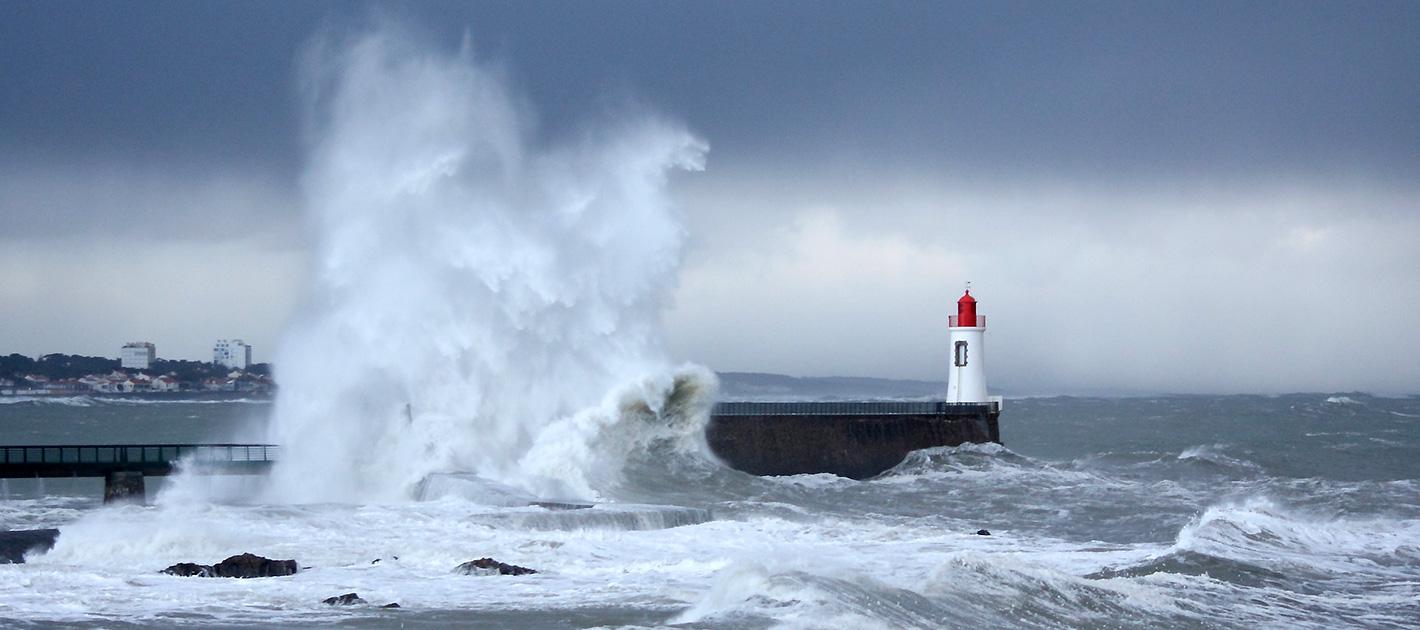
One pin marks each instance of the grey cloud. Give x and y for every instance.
(1263, 288)
(89, 296)
(1100, 90)
(146, 203)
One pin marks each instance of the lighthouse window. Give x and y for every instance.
(960, 354)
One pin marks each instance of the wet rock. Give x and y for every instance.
(489, 566)
(15, 544)
(348, 599)
(391, 605)
(244, 566)
(189, 569)
(252, 566)
(982, 532)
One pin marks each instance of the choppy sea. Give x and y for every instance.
(1181, 511)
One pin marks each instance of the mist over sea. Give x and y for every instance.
(1194, 511)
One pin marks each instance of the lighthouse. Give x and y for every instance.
(966, 382)
(859, 439)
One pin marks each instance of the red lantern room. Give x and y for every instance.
(966, 310)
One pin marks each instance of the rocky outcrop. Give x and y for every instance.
(189, 569)
(347, 599)
(352, 599)
(14, 545)
(243, 566)
(489, 566)
(251, 566)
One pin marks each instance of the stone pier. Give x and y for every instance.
(850, 439)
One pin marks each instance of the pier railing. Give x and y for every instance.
(137, 454)
(99, 460)
(866, 408)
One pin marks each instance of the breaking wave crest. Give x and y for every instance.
(1259, 544)
(970, 590)
(1259, 530)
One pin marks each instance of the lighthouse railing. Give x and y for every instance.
(980, 321)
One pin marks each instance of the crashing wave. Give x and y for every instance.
(484, 300)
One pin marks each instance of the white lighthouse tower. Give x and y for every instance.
(966, 383)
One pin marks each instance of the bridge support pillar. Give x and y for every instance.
(124, 486)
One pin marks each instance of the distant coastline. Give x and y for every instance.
(140, 397)
(60, 375)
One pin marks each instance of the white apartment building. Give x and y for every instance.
(232, 353)
(138, 355)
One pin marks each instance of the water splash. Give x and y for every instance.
(482, 302)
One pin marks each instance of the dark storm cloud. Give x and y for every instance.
(1080, 89)
(164, 81)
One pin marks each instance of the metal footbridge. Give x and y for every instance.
(123, 466)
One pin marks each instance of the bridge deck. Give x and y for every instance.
(75, 460)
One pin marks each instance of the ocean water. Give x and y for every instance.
(1189, 511)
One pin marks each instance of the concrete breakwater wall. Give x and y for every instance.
(856, 440)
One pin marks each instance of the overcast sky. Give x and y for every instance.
(1177, 197)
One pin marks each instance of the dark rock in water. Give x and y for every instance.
(252, 566)
(14, 545)
(982, 532)
(347, 599)
(391, 605)
(489, 566)
(189, 569)
(244, 566)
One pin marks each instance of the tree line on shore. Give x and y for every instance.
(61, 366)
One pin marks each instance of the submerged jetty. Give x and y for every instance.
(863, 439)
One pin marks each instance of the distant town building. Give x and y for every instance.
(138, 355)
(232, 353)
